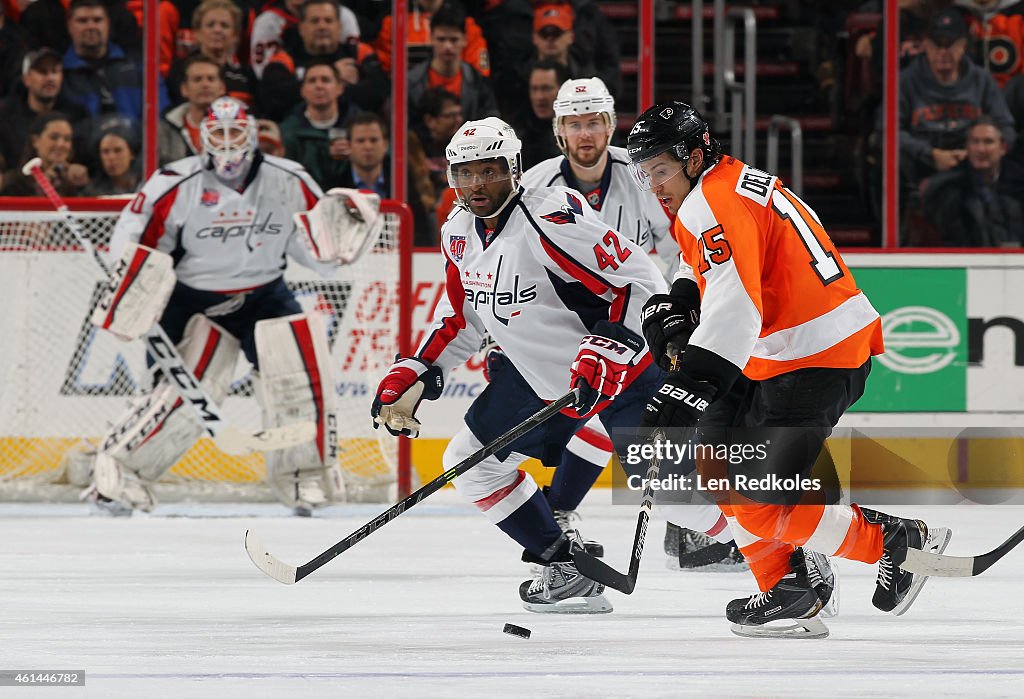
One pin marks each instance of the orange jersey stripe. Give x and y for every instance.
(775, 293)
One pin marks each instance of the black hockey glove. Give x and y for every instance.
(671, 318)
(680, 402)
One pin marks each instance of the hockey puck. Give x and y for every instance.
(513, 630)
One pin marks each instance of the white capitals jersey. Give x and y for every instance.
(537, 284)
(622, 205)
(222, 239)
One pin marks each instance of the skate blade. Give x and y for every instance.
(572, 605)
(784, 628)
(937, 541)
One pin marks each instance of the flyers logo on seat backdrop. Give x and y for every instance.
(568, 213)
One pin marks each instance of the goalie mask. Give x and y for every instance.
(579, 97)
(228, 134)
(489, 139)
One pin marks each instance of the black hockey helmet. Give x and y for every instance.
(673, 127)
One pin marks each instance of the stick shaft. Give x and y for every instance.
(441, 481)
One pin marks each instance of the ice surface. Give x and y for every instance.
(168, 605)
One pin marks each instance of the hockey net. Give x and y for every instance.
(62, 382)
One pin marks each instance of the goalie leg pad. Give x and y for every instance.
(296, 385)
(160, 427)
(137, 293)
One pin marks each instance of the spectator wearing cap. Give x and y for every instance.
(178, 130)
(216, 25)
(440, 116)
(314, 135)
(38, 92)
(119, 171)
(446, 68)
(941, 92)
(320, 31)
(98, 74)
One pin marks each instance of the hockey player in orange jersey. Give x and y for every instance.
(785, 340)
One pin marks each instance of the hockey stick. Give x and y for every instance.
(289, 574)
(228, 439)
(596, 569)
(943, 566)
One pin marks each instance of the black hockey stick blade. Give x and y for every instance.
(288, 574)
(943, 566)
(594, 568)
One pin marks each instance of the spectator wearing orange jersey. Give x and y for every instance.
(419, 43)
(320, 31)
(447, 70)
(999, 37)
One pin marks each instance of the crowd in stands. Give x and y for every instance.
(961, 113)
(316, 73)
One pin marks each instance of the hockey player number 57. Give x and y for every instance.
(822, 262)
(604, 258)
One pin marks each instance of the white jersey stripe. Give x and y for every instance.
(817, 335)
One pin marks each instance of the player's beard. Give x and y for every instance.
(589, 159)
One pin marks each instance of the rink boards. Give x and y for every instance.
(949, 391)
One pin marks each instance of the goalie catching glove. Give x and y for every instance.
(670, 318)
(603, 364)
(137, 292)
(343, 225)
(408, 382)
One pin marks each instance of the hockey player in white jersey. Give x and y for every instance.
(584, 124)
(203, 248)
(559, 291)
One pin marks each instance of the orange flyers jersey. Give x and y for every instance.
(775, 293)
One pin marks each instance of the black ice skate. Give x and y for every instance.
(791, 608)
(560, 589)
(690, 550)
(895, 588)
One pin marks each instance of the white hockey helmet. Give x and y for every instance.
(583, 96)
(229, 137)
(485, 139)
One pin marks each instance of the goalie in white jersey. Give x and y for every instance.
(203, 249)
(560, 292)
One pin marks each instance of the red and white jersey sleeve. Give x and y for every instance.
(618, 202)
(537, 284)
(775, 293)
(222, 238)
